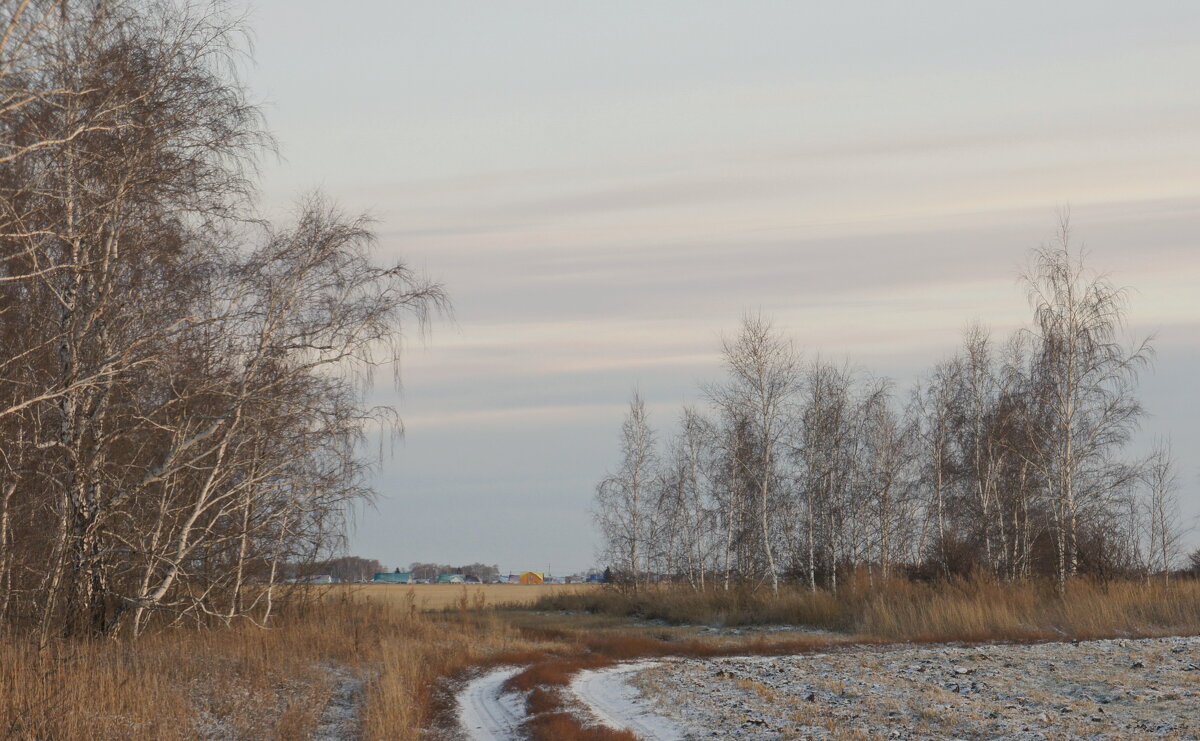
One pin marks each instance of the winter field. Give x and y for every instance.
(955, 660)
(1104, 689)
(442, 596)
(985, 663)
(1129, 689)
(898, 659)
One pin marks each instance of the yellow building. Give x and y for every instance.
(533, 577)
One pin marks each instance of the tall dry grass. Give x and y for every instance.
(984, 610)
(243, 682)
(897, 609)
(252, 683)
(405, 696)
(740, 605)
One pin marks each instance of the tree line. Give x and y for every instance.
(1011, 457)
(181, 382)
(342, 568)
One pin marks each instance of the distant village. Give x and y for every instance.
(525, 577)
(351, 569)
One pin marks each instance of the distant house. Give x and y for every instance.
(533, 577)
(472, 579)
(595, 578)
(451, 579)
(393, 577)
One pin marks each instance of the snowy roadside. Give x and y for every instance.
(341, 719)
(327, 695)
(486, 712)
(608, 697)
(1109, 689)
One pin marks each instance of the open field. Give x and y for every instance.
(386, 662)
(442, 596)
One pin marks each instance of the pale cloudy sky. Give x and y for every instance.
(606, 187)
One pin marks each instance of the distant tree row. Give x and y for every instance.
(181, 403)
(343, 568)
(1009, 457)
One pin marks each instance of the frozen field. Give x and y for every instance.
(1109, 689)
(1127, 689)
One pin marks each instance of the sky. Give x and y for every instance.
(605, 189)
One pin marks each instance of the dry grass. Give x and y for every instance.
(985, 611)
(978, 610)
(246, 682)
(250, 683)
(740, 605)
(442, 596)
(406, 694)
(564, 726)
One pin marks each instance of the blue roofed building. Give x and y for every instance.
(392, 577)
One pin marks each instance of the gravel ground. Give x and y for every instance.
(1110, 689)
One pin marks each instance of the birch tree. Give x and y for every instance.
(1087, 377)
(820, 449)
(1164, 531)
(682, 504)
(936, 404)
(180, 385)
(763, 376)
(888, 478)
(734, 496)
(624, 499)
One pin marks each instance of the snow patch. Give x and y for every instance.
(613, 701)
(340, 718)
(486, 712)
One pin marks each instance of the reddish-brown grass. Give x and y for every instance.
(562, 726)
(550, 720)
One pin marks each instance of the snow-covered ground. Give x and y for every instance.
(340, 719)
(608, 697)
(1114, 689)
(486, 712)
(1111, 689)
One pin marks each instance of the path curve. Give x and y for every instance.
(486, 712)
(610, 699)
